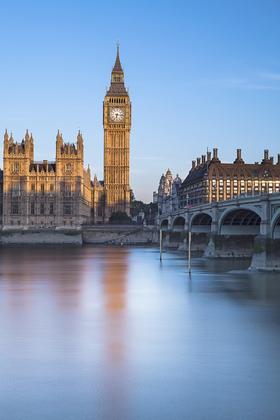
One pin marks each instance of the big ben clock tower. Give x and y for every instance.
(117, 124)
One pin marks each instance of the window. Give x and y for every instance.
(42, 188)
(51, 208)
(15, 189)
(67, 210)
(68, 168)
(32, 208)
(33, 187)
(67, 189)
(51, 187)
(15, 208)
(42, 208)
(15, 168)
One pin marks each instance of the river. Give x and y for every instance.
(111, 333)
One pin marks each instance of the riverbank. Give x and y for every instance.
(97, 234)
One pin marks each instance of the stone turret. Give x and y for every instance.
(23, 148)
(80, 145)
(69, 156)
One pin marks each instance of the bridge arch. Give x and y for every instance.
(164, 224)
(179, 224)
(275, 226)
(240, 221)
(201, 222)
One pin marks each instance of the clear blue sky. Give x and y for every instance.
(200, 73)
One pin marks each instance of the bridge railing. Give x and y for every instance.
(245, 196)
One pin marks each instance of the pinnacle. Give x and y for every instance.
(118, 67)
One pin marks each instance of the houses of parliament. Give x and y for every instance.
(61, 193)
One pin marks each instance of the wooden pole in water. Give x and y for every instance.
(160, 245)
(189, 251)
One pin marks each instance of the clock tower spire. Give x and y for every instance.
(117, 77)
(117, 123)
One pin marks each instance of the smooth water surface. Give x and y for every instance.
(110, 333)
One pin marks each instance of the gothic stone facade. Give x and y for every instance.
(117, 123)
(167, 196)
(60, 193)
(45, 194)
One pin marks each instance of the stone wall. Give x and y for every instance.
(100, 234)
(120, 235)
(40, 237)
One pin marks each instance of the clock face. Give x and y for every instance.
(117, 114)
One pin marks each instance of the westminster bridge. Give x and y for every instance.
(246, 226)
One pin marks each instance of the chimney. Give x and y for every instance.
(208, 156)
(271, 160)
(265, 155)
(193, 164)
(278, 159)
(238, 156)
(203, 159)
(198, 161)
(215, 153)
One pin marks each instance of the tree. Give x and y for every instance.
(119, 218)
(150, 210)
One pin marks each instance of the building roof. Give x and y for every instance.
(255, 170)
(117, 87)
(195, 175)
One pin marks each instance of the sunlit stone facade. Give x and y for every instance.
(117, 124)
(45, 194)
(212, 180)
(60, 193)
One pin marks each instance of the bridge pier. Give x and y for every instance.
(227, 246)
(266, 254)
(176, 239)
(183, 246)
(265, 224)
(165, 239)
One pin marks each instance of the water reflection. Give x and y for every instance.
(114, 284)
(112, 333)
